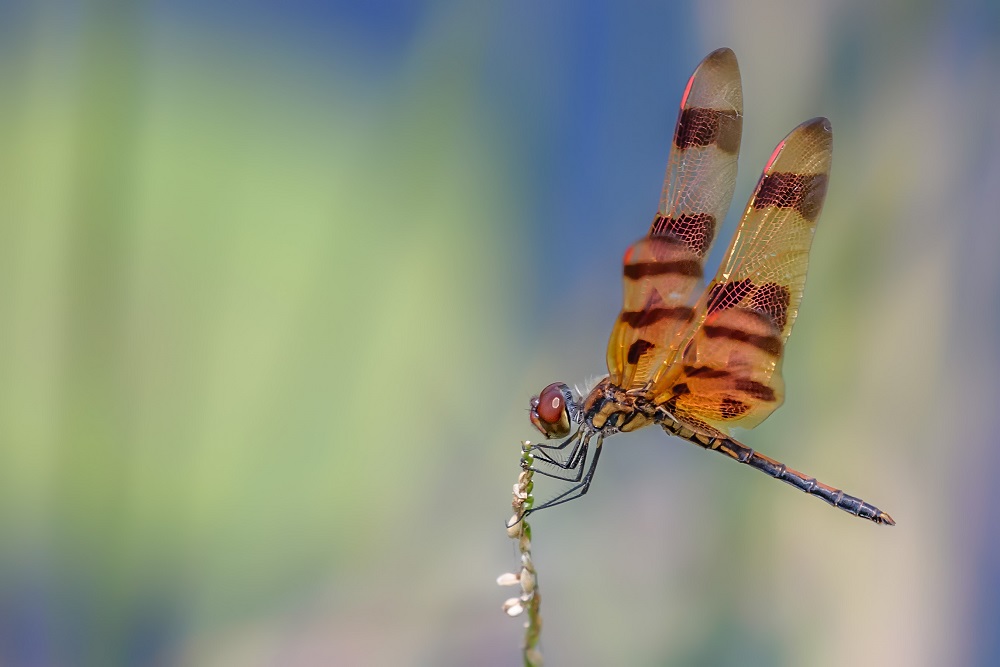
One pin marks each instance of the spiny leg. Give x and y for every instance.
(740, 452)
(570, 463)
(574, 466)
(577, 490)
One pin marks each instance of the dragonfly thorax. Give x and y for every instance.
(610, 409)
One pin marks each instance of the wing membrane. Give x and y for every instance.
(662, 269)
(730, 371)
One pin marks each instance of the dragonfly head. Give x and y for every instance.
(550, 410)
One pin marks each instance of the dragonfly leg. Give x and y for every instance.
(581, 487)
(570, 471)
(743, 454)
(570, 463)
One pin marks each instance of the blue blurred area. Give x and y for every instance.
(278, 279)
(376, 36)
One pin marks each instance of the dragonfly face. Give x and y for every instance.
(550, 410)
(700, 357)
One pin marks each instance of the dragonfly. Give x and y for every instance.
(699, 363)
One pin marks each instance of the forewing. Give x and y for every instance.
(662, 269)
(730, 371)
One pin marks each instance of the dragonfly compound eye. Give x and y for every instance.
(549, 412)
(551, 404)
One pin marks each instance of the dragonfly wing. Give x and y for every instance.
(662, 270)
(729, 373)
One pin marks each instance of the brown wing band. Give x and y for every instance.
(803, 192)
(770, 344)
(695, 230)
(684, 267)
(643, 318)
(704, 127)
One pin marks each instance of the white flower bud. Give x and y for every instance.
(513, 607)
(507, 579)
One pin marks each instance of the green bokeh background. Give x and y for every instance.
(276, 285)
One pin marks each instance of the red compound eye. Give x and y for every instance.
(551, 404)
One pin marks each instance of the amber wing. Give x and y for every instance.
(662, 269)
(730, 371)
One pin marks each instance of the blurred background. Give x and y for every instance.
(277, 281)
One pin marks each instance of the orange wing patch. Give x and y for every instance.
(730, 371)
(662, 270)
